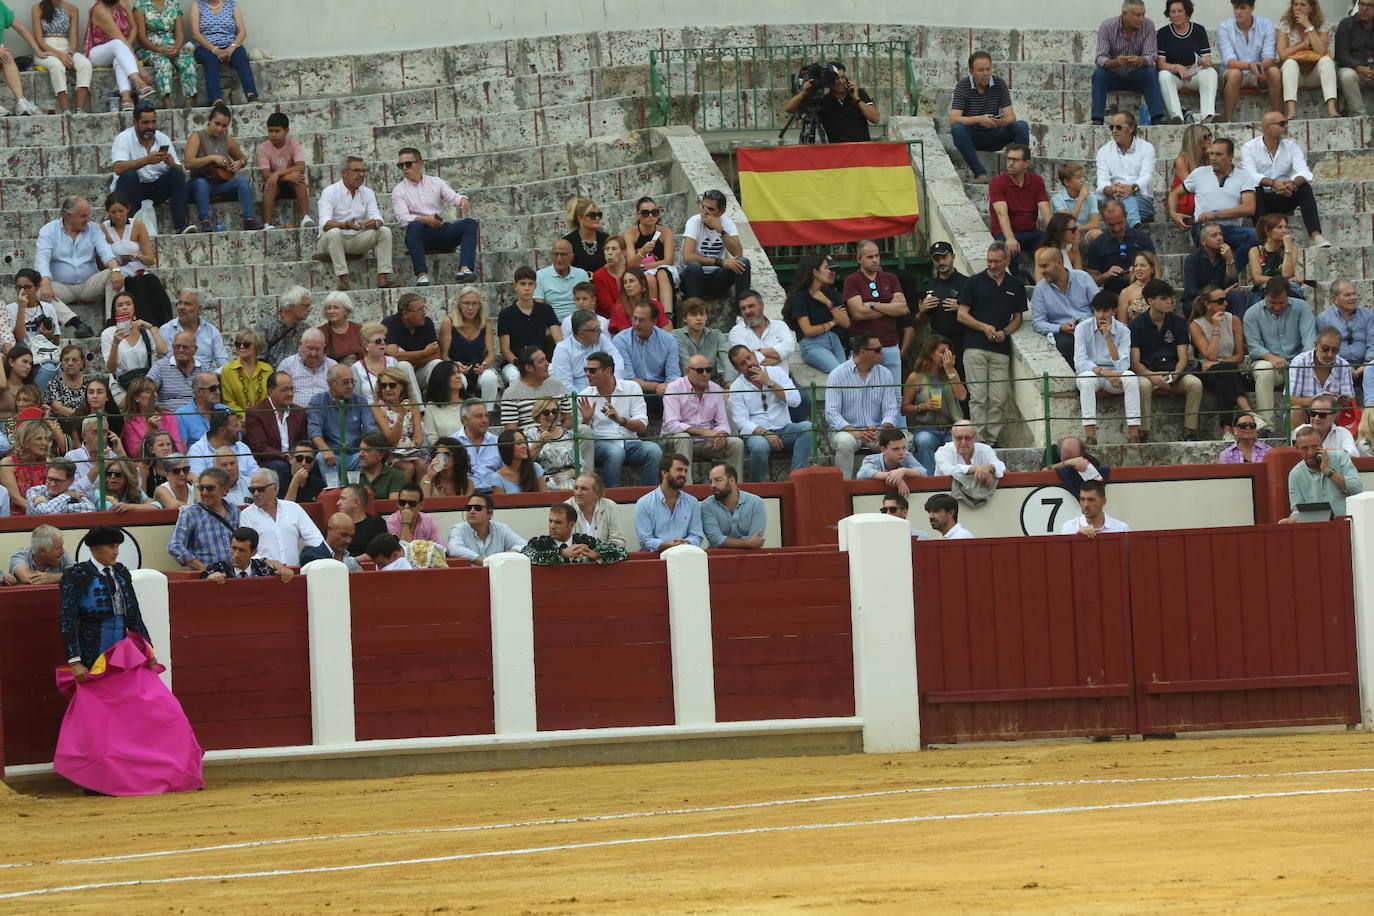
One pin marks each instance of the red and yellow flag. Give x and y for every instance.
(821, 194)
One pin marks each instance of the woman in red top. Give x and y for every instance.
(607, 279)
(27, 465)
(634, 289)
(109, 42)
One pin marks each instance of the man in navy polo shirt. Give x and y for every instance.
(1112, 253)
(1159, 354)
(991, 307)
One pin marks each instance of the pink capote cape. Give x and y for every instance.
(124, 732)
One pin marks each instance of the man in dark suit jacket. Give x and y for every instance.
(562, 545)
(243, 562)
(262, 427)
(99, 605)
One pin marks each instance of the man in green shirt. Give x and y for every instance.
(373, 472)
(1323, 476)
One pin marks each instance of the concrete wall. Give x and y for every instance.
(353, 26)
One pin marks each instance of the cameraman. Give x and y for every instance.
(845, 112)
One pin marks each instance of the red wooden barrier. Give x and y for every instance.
(601, 646)
(241, 661)
(1022, 638)
(30, 649)
(422, 662)
(1244, 627)
(781, 630)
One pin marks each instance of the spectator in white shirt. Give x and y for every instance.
(1125, 168)
(1092, 499)
(712, 255)
(615, 413)
(943, 512)
(966, 455)
(1222, 193)
(760, 401)
(282, 526)
(1285, 181)
(1322, 414)
(146, 167)
(772, 341)
(351, 223)
(386, 552)
(1102, 359)
(418, 202)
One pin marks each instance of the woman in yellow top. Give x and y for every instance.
(243, 381)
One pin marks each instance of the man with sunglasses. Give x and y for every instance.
(1355, 326)
(193, 419)
(409, 522)
(615, 416)
(201, 535)
(1125, 168)
(209, 342)
(418, 202)
(478, 536)
(1322, 415)
(245, 561)
(1320, 373)
(896, 505)
(861, 398)
(695, 416)
(281, 525)
(273, 424)
(1285, 181)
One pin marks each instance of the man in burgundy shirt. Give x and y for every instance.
(876, 305)
(1018, 204)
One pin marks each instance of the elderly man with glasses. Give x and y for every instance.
(282, 526)
(1320, 371)
(351, 223)
(174, 374)
(695, 416)
(553, 285)
(478, 537)
(1356, 327)
(201, 535)
(1127, 48)
(1125, 169)
(331, 436)
(418, 203)
(1323, 413)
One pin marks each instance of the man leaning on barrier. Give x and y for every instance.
(563, 544)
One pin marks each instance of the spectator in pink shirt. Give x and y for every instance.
(408, 523)
(282, 164)
(1247, 449)
(694, 416)
(418, 202)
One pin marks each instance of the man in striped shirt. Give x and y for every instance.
(981, 116)
(860, 398)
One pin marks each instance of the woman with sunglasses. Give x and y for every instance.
(1061, 232)
(243, 380)
(343, 338)
(122, 493)
(650, 246)
(1247, 449)
(551, 444)
(814, 310)
(398, 419)
(367, 370)
(130, 346)
(586, 238)
(469, 339)
(448, 472)
(1218, 339)
(519, 473)
(177, 491)
(143, 418)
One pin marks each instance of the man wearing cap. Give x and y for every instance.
(99, 605)
(937, 301)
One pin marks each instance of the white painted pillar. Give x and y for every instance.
(512, 643)
(153, 603)
(689, 625)
(1360, 508)
(329, 616)
(884, 621)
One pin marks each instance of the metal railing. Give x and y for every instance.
(744, 89)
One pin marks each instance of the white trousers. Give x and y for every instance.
(1293, 77)
(1089, 385)
(57, 74)
(1205, 83)
(118, 55)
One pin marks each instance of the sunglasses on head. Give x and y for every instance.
(407, 503)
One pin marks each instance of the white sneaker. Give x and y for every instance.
(267, 226)
(190, 228)
(4, 112)
(307, 220)
(1319, 241)
(25, 107)
(422, 281)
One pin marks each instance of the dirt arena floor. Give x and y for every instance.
(1234, 825)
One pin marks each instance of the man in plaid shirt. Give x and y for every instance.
(1320, 371)
(201, 536)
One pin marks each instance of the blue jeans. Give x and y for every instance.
(1240, 238)
(697, 282)
(238, 60)
(927, 441)
(461, 234)
(1138, 208)
(969, 139)
(796, 436)
(823, 352)
(1144, 80)
(610, 455)
(203, 188)
(43, 373)
(169, 189)
(892, 359)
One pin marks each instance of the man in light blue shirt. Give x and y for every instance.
(760, 397)
(1356, 326)
(479, 537)
(648, 353)
(553, 285)
(569, 363)
(1246, 44)
(860, 398)
(1325, 475)
(210, 350)
(1060, 301)
(193, 419)
(483, 456)
(731, 517)
(70, 248)
(665, 516)
(323, 424)
(1275, 334)
(1102, 359)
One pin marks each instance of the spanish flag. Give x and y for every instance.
(820, 194)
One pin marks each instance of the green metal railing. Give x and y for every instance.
(744, 89)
